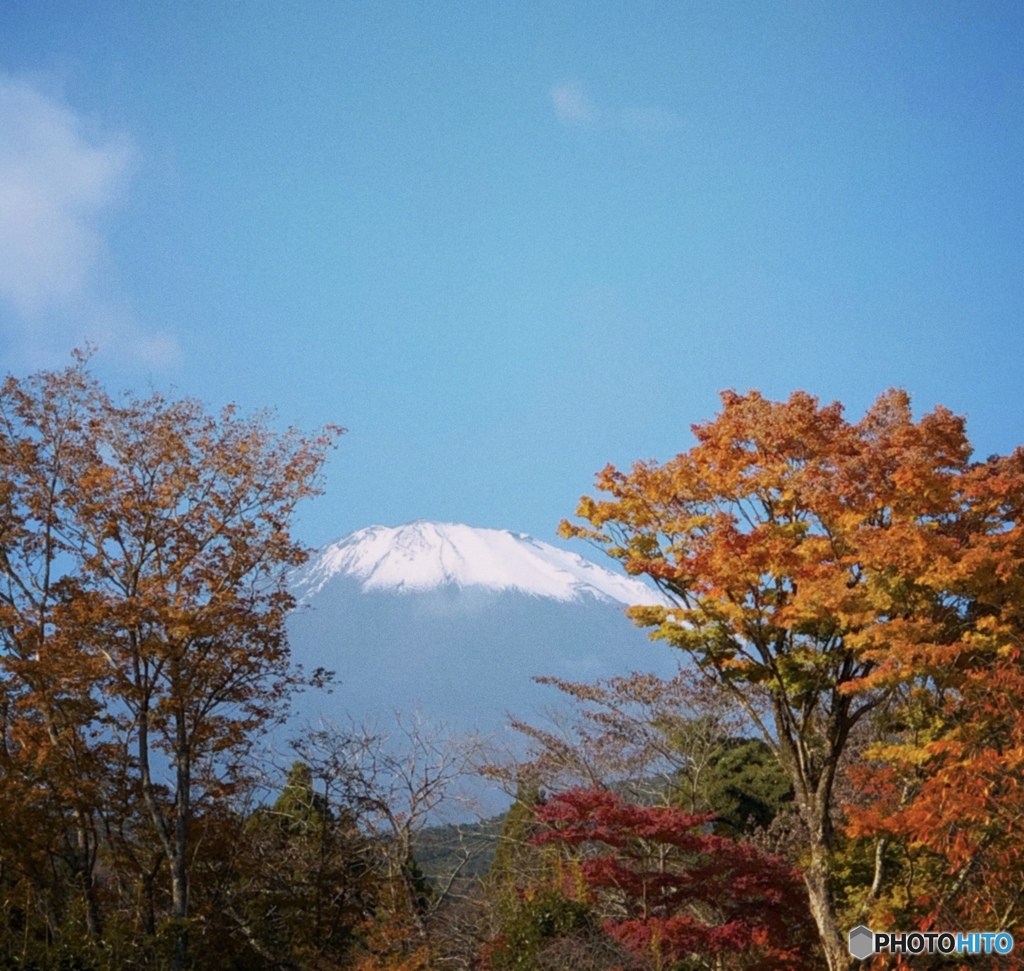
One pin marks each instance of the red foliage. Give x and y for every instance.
(683, 891)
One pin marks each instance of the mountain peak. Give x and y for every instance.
(424, 555)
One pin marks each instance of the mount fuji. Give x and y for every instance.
(424, 556)
(454, 621)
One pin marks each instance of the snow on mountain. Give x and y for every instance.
(422, 556)
(453, 623)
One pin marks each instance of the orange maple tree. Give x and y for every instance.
(813, 566)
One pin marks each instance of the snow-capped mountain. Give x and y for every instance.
(423, 556)
(455, 621)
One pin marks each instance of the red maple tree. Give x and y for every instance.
(673, 890)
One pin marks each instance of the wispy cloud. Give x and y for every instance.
(58, 178)
(574, 107)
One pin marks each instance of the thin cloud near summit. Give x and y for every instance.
(574, 107)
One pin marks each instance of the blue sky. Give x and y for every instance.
(505, 244)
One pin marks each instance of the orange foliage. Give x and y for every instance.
(822, 571)
(143, 548)
(392, 944)
(950, 783)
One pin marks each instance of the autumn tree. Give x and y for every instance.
(144, 545)
(184, 533)
(670, 891)
(941, 791)
(643, 754)
(799, 552)
(653, 738)
(53, 767)
(625, 885)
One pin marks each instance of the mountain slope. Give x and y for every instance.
(455, 621)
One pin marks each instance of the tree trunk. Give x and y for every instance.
(813, 787)
(173, 834)
(179, 860)
(149, 900)
(85, 862)
(817, 877)
(179, 911)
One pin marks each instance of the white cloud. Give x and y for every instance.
(57, 180)
(574, 107)
(53, 184)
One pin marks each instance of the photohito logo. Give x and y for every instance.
(864, 942)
